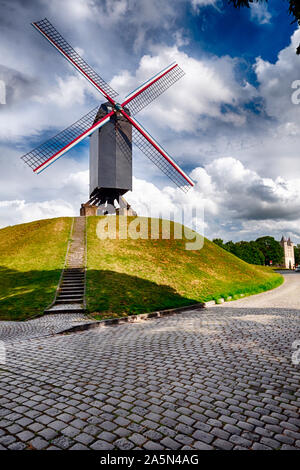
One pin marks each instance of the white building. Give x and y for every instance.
(289, 255)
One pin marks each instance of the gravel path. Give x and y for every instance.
(219, 378)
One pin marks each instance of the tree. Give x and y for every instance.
(230, 246)
(271, 249)
(249, 252)
(294, 10)
(219, 242)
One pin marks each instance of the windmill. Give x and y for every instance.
(112, 128)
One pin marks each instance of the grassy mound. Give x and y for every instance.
(125, 276)
(31, 258)
(130, 276)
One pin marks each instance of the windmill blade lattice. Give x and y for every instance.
(55, 38)
(42, 156)
(142, 143)
(154, 155)
(153, 88)
(155, 152)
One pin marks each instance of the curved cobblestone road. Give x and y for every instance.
(220, 378)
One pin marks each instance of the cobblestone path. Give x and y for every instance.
(11, 331)
(220, 378)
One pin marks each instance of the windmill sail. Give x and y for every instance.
(155, 152)
(55, 38)
(150, 90)
(47, 153)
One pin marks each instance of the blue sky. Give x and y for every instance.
(237, 33)
(229, 122)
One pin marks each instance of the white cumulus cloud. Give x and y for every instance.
(208, 85)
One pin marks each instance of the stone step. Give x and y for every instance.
(66, 308)
(71, 285)
(67, 295)
(69, 282)
(70, 296)
(74, 274)
(78, 285)
(70, 300)
(76, 266)
(71, 292)
(72, 289)
(71, 278)
(78, 282)
(75, 283)
(74, 269)
(70, 270)
(78, 270)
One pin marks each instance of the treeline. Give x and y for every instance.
(263, 251)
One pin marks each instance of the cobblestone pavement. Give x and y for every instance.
(220, 378)
(42, 326)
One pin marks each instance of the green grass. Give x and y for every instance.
(124, 276)
(31, 259)
(134, 276)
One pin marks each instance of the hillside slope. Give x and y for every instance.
(133, 276)
(125, 276)
(31, 258)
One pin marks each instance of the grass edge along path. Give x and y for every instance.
(129, 277)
